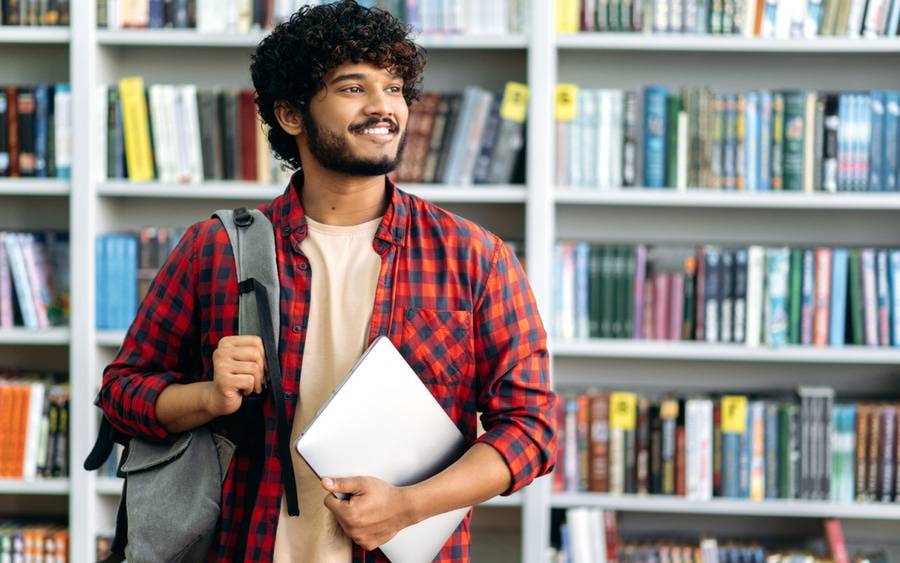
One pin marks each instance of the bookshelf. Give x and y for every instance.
(540, 212)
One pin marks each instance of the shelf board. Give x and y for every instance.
(721, 44)
(249, 190)
(57, 336)
(110, 338)
(715, 199)
(192, 38)
(704, 352)
(33, 35)
(36, 487)
(729, 507)
(33, 187)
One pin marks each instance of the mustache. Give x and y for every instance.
(390, 124)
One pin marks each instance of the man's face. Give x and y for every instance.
(357, 123)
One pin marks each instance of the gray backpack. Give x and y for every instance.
(174, 491)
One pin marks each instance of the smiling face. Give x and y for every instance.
(357, 123)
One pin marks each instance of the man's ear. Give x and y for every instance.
(288, 117)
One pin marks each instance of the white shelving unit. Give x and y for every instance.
(541, 213)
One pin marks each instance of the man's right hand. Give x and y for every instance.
(239, 366)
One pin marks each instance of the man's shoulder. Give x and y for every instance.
(436, 225)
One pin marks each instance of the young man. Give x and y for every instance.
(357, 258)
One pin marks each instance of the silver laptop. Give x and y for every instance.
(383, 422)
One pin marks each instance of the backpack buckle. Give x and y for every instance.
(242, 217)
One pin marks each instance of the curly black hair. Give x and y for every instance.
(292, 61)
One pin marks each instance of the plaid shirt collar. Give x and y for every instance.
(289, 217)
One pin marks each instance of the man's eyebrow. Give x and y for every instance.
(356, 76)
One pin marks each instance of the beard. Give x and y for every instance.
(333, 152)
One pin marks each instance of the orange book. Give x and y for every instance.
(757, 25)
(13, 421)
(822, 304)
(21, 435)
(5, 414)
(61, 543)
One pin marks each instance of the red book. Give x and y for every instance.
(599, 437)
(822, 307)
(248, 125)
(661, 305)
(12, 128)
(834, 535)
(612, 536)
(559, 473)
(679, 459)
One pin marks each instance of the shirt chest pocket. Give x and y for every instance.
(438, 345)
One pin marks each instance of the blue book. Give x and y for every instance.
(114, 255)
(156, 19)
(129, 284)
(843, 142)
(849, 458)
(883, 293)
(655, 136)
(582, 289)
(62, 109)
(893, 20)
(751, 142)
(895, 297)
(891, 159)
(771, 448)
(876, 141)
(41, 125)
(100, 282)
(864, 117)
(778, 282)
(765, 141)
(838, 318)
(807, 297)
(558, 259)
(746, 455)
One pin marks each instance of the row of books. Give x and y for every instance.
(242, 16)
(34, 12)
(754, 296)
(34, 426)
(126, 264)
(35, 131)
(591, 535)
(755, 141)
(732, 446)
(33, 542)
(179, 134)
(769, 19)
(34, 279)
(476, 137)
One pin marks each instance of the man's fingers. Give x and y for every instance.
(349, 485)
(237, 341)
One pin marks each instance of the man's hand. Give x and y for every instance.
(239, 366)
(374, 513)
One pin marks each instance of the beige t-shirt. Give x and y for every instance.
(345, 270)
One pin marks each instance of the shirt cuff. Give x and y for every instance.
(521, 454)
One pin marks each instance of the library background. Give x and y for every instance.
(704, 193)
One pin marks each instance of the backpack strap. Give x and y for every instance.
(253, 244)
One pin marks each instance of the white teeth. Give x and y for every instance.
(376, 131)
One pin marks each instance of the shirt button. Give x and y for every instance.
(286, 231)
(296, 329)
(303, 266)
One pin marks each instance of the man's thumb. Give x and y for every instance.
(349, 485)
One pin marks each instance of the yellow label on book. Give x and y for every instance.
(566, 94)
(567, 14)
(515, 102)
(734, 414)
(136, 129)
(622, 411)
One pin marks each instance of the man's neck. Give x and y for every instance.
(341, 200)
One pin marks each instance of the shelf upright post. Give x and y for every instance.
(82, 216)
(539, 232)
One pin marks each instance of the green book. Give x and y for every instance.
(596, 291)
(777, 159)
(856, 305)
(625, 295)
(796, 296)
(787, 446)
(794, 135)
(608, 292)
(673, 108)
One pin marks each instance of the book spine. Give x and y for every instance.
(821, 321)
(884, 290)
(654, 137)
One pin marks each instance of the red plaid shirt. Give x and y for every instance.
(463, 316)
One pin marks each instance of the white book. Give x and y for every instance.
(604, 144)
(855, 18)
(171, 136)
(586, 153)
(579, 523)
(783, 18)
(698, 448)
(37, 279)
(20, 280)
(192, 125)
(159, 147)
(178, 125)
(682, 151)
(617, 110)
(749, 17)
(598, 536)
(62, 107)
(756, 271)
(875, 18)
(576, 155)
(113, 15)
(32, 438)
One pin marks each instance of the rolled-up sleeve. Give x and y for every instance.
(160, 348)
(512, 366)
